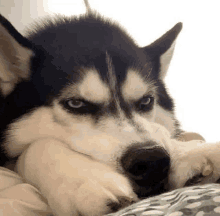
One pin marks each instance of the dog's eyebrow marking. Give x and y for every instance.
(113, 84)
(93, 88)
(134, 86)
(111, 73)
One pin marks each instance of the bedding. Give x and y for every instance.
(18, 198)
(197, 200)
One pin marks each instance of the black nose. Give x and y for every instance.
(147, 165)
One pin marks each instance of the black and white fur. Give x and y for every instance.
(87, 114)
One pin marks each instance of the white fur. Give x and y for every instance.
(165, 118)
(72, 183)
(93, 88)
(134, 86)
(165, 60)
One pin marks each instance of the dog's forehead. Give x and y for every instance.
(94, 87)
(134, 86)
(109, 78)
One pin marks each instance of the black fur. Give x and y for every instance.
(61, 47)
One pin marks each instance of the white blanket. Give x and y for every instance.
(18, 198)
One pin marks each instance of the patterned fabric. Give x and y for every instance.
(203, 200)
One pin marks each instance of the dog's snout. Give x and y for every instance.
(147, 167)
(141, 160)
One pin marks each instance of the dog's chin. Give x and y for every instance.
(143, 191)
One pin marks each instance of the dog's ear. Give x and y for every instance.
(15, 55)
(163, 48)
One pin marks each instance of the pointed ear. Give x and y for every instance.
(163, 48)
(15, 55)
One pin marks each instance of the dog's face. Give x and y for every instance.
(86, 83)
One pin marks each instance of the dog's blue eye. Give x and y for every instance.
(78, 106)
(146, 103)
(75, 104)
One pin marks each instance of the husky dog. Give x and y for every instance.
(85, 113)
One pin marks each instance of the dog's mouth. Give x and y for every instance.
(150, 183)
(144, 188)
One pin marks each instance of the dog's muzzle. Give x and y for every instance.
(147, 168)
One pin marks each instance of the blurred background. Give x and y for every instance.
(193, 76)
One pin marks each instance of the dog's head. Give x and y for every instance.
(85, 82)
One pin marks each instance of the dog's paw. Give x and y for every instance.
(191, 169)
(103, 191)
(72, 183)
(105, 196)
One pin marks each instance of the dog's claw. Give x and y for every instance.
(122, 203)
(208, 169)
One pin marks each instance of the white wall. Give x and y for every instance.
(193, 78)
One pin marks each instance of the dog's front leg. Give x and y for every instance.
(194, 162)
(73, 183)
